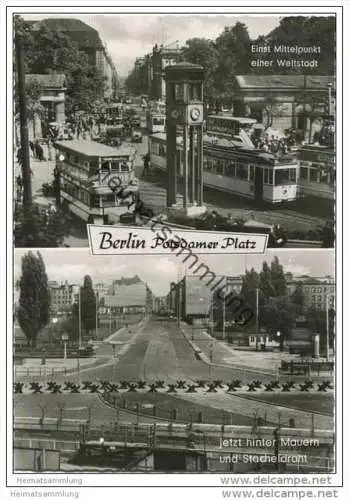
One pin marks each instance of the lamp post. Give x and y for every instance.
(327, 328)
(211, 359)
(65, 338)
(278, 335)
(54, 321)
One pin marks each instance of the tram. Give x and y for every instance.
(246, 172)
(317, 171)
(156, 122)
(95, 181)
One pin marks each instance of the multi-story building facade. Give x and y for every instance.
(89, 43)
(318, 293)
(63, 296)
(162, 57)
(296, 101)
(191, 298)
(129, 296)
(101, 289)
(51, 101)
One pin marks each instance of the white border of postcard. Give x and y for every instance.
(205, 479)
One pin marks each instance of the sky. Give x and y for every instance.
(134, 35)
(159, 271)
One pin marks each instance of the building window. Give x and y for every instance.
(220, 167)
(303, 173)
(105, 166)
(323, 177)
(179, 91)
(230, 169)
(252, 339)
(268, 176)
(282, 176)
(251, 169)
(314, 175)
(241, 171)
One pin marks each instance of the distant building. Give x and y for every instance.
(162, 57)
(298, 100)
(129, 296)
(101, 289)
(194, 301)
(90, 43)
(63, 296)
(319, 293)
(52, 100)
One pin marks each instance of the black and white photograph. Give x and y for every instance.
(210, 122)
(173, 250)
(141, 364)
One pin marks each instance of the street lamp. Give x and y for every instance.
(65, 338)
(278, 334)
(54, 321)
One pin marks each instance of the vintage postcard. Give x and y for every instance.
(174, 260)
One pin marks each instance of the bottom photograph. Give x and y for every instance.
(154, 364)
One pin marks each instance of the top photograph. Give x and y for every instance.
(222, 123)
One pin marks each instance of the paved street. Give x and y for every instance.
(158, 350)
(153, 194)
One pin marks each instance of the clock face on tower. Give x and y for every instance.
(195, 114)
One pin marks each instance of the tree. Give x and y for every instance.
(233, 48)
(298, 299)
(47, 50)
(203, 52)
(278, 315)
(266, 286)
(88, 305)
(34, 298)
(33, 228)
(277, 277)
(308, 31)
(33, 91)
(250, 283)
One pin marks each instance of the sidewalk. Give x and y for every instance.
(220, 353)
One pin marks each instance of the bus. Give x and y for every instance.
(236, 128)
(156, 122)
(249, 173)
(96, 182)
(114, 112)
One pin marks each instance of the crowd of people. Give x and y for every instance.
(274, 145)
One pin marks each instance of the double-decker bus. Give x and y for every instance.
(96, 182)
(114, 112)
(249, 173)
(231, 127)
(156, 122)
